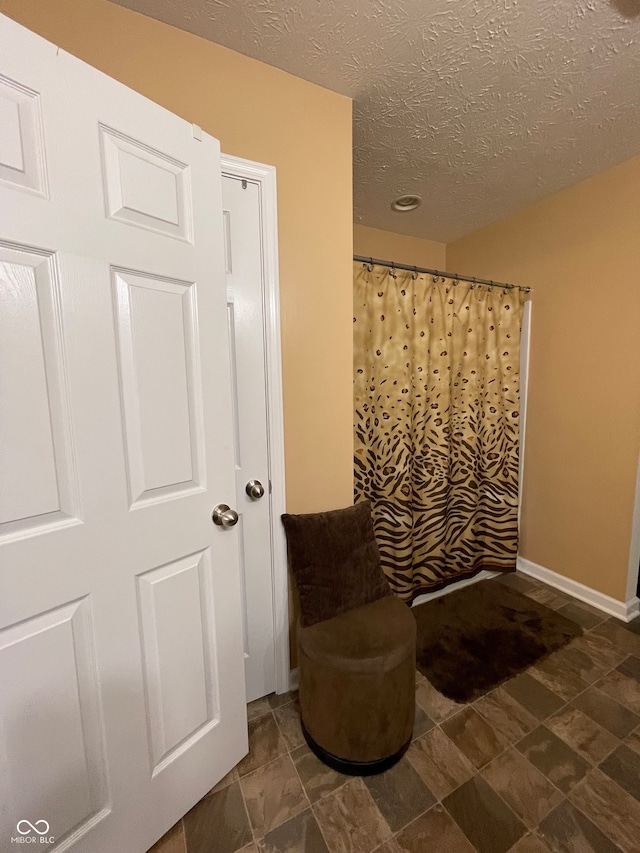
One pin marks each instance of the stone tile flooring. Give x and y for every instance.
(549, 761)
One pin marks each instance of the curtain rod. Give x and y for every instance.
(378, 263)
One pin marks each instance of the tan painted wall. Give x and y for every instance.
(263, 114)
(580, 251)
(398, 247)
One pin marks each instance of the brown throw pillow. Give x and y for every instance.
(335, 561)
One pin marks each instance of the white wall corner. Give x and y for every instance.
(634, 549)
(633, 606)
(625, 610)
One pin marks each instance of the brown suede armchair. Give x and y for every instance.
(356, 643)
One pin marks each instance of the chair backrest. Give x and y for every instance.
(335, 561)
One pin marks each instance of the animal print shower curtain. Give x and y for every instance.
(436, 425)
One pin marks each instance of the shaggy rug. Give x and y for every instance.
(472, 640)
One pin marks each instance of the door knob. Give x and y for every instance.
(224, 516)
(254, 489)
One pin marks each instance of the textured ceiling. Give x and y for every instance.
(479, 106)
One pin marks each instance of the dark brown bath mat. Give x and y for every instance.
(472, 640)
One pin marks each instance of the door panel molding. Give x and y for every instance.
(37, 469)
(265, 177)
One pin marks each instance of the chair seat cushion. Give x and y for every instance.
(375, 637)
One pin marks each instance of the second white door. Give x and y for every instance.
(245, 308)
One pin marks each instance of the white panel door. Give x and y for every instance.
(122, 689)
(243, 242)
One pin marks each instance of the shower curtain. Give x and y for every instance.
(436, 424)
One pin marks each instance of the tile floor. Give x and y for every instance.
(549, 761)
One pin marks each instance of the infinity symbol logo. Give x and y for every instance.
(32, 827)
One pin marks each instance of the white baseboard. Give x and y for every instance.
(625, 610)
(294, 679)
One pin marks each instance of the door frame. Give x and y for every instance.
(265, 177)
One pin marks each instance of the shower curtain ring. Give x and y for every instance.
(392, 271)
(370, 265)
(414, 274)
